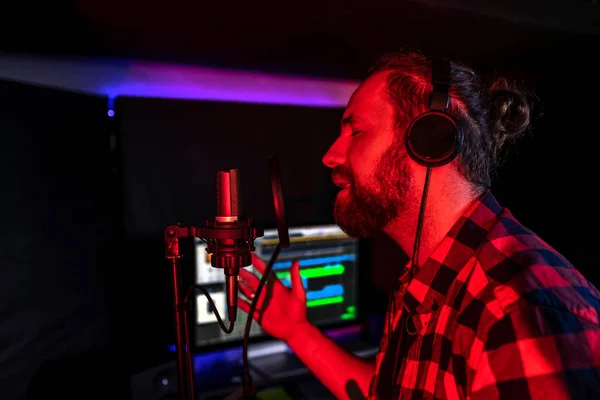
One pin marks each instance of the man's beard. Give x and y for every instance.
(369, 207)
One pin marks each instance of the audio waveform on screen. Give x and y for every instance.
(327, 291)
(325, 301)
(316, 261)
(329, 294)
(319, 272)
(287, 282)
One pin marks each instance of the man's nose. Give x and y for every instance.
(336, 155)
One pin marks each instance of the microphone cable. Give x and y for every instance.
(249, 391)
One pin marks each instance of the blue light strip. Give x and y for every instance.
(316, 261)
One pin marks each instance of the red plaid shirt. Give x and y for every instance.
(494, 313)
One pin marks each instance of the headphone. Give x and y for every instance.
(433, 138)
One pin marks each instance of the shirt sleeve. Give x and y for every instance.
(542, 353)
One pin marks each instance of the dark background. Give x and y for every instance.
(75, 309)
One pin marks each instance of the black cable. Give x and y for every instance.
(415, 258)
(249, 390)
(192, 290)
(413, 267)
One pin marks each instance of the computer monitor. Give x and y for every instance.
(328, 267)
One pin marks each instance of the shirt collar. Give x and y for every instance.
(429, 286)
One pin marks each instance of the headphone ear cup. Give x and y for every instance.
(433, 139)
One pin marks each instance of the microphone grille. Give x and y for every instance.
(228, 193)
(236, 205)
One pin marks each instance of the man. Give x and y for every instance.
(486, 309)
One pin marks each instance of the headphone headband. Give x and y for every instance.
(439, 99)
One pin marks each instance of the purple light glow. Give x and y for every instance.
(197, 83)
(115, 78)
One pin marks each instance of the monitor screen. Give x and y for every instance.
(328, 267)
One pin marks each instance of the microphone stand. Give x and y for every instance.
(184, 360)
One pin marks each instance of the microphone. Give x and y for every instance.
(229, 242)
(230, 236)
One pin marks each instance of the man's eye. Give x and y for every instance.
(355, 133)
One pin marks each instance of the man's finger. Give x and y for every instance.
(243, 305)
(251, 279)
(258, 264)
(296, 278)
(246, 290)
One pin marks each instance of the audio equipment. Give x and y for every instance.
(230, 243)
(433, 138)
